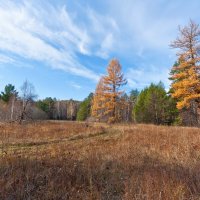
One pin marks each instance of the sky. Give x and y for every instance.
(62, 46)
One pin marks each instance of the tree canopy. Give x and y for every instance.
(155, 106)
(8, 92)
(107, 101)
(85, 108)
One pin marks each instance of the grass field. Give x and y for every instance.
(70, 160)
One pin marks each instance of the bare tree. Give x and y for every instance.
(12, 107)
(27, 96)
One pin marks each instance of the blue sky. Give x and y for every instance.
(62, 46)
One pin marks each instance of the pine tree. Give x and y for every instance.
(153, 105)
(9, 91)
(186, 73)
(85, 108)
(107, 101)
(133, 95)
(47, 105)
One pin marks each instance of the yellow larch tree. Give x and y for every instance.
(113, 81)
(186, 73)
(97, 101)
(107, 101)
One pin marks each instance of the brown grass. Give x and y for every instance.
(66, 160)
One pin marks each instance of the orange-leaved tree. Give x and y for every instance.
(97, 101)
(186, 73)
(108, 96)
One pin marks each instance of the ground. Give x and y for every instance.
(71, 160)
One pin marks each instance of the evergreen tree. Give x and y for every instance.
(132, 101)
(155, 106)
(9, 91)
(133, 95)
(85, 108)
(47, 105)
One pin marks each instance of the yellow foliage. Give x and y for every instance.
(186, 77)
(107, 98)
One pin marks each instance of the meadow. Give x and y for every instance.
(71, 160)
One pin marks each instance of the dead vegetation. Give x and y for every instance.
(66, 160)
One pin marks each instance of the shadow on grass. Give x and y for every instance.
(96, 178)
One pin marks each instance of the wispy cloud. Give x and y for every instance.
(50, 34)
(150, 25)
(5, 59)
(142, 77)
(79, 37)
(76, 85)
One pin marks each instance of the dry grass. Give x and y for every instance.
(65, 160)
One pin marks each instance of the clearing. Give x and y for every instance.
(71, 160)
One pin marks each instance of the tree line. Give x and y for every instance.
(110, 103)
(19, 106)
(180, 105)
(15, 107)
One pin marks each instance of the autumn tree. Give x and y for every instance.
(185, 73)
(98, 101)
(107, 101)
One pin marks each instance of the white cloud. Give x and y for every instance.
(52, 35)
(150, 25)
(131, 83)
(105, 30)
(106, 46)
(141, 77)
(5, 59)
(75, 85)
(56, 35)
